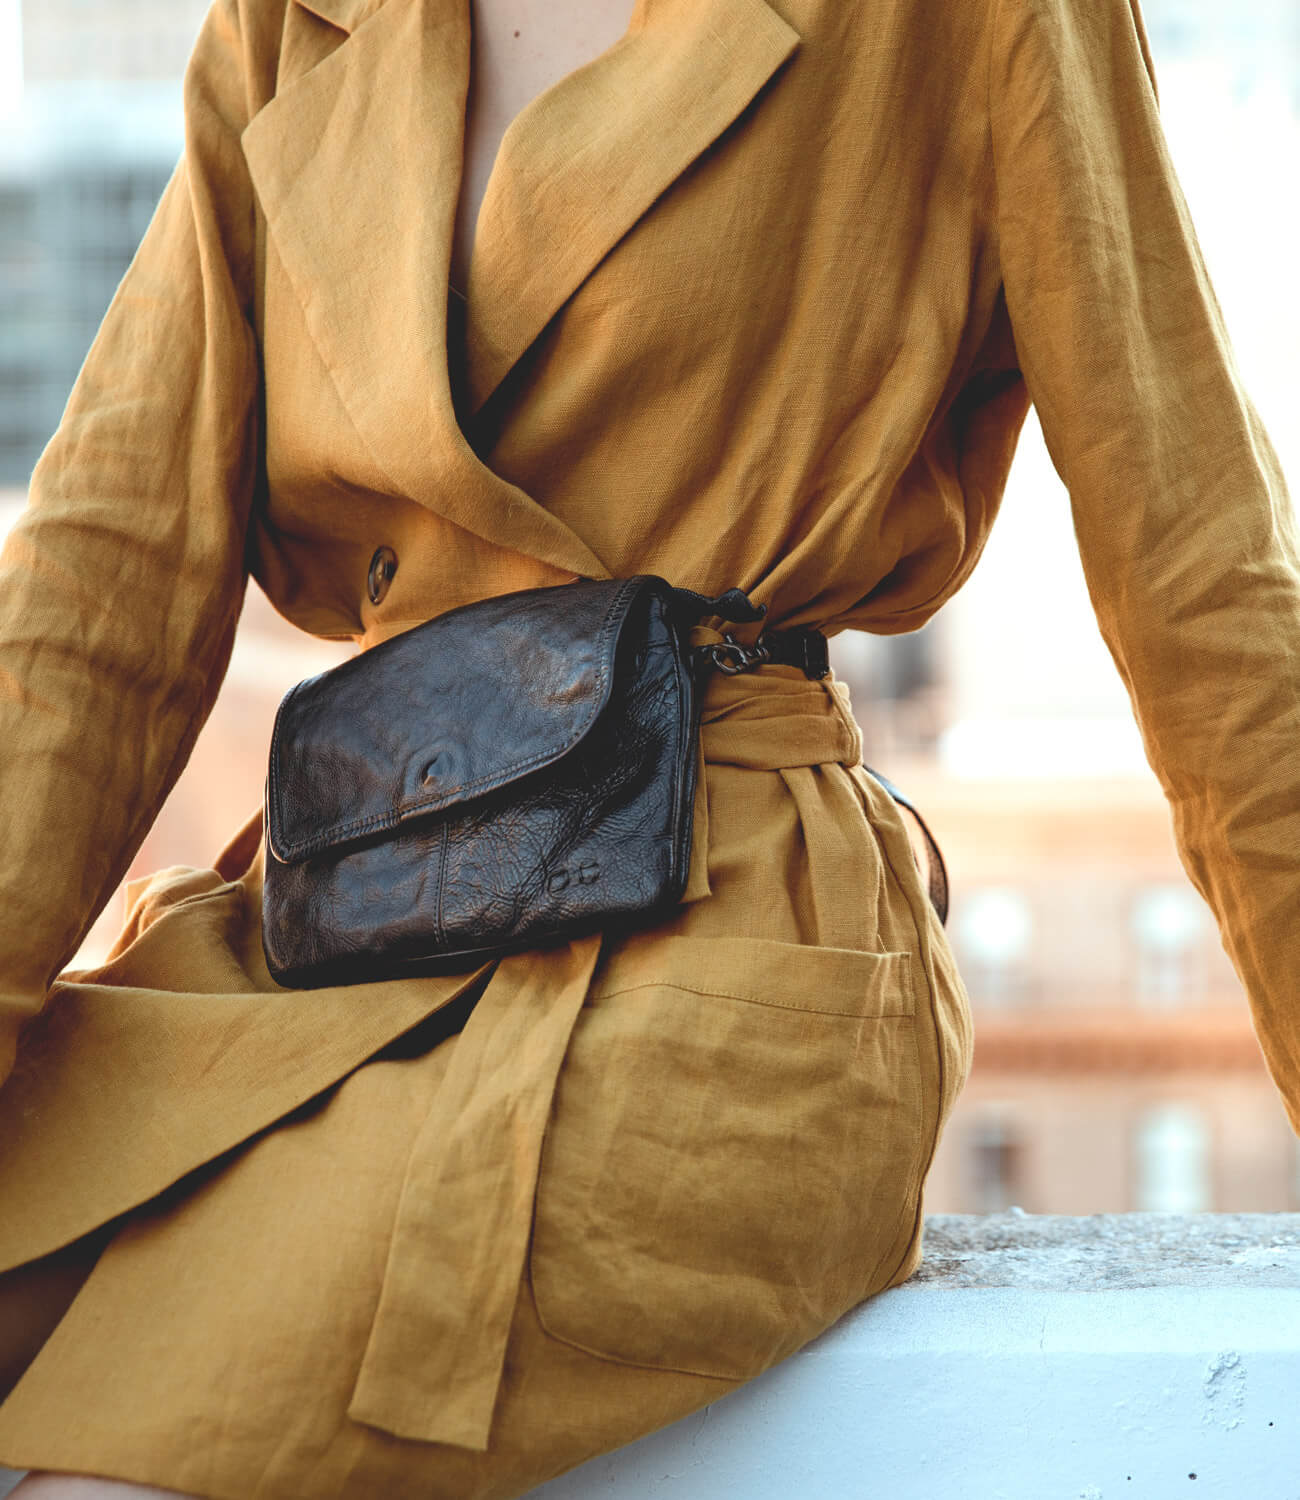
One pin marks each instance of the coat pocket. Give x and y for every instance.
(733, 1153)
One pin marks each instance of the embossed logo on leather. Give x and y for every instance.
(561, 880)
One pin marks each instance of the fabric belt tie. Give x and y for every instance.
(818, 728)
(433, 1363)
(775, 718)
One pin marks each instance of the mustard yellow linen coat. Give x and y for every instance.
(760, 298)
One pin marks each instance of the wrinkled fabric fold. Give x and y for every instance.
(438, 1343)
(433, 1361)
(674, 388)
(807, 723)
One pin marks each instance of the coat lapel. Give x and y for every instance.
(347, 15)
(584, 161)
(357, 166)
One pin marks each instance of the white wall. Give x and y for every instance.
(1147, 1357)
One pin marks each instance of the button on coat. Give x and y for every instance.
(758, 298)
(383, 566)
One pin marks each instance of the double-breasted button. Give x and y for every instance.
(382, 567)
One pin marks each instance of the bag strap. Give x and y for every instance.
(936, 871)
(803, 648)
(735, 605)
(807, 650)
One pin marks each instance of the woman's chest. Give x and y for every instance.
(704, 293)
(520, 48)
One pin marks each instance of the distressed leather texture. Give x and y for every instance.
(517, 770)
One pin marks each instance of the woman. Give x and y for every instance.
(759, 296)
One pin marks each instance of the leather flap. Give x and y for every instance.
(445, 712)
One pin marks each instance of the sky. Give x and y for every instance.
(11, 57)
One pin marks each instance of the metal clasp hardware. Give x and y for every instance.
(732, 657)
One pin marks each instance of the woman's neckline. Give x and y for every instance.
(632, 13)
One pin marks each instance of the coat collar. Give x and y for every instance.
(347, 15)
(368, 249)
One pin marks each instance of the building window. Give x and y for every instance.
(997, 1162)
(66, 237)
(1173, 1160)
(1170, 927)
(994, 928)
(897, 677)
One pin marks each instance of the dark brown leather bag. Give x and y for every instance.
(511, 773)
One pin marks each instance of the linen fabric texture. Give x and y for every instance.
(759, 297)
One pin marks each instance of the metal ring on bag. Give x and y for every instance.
(731, 657)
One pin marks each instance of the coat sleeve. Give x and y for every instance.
(121, 583)
(1180, 508)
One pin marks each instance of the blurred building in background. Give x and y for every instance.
(89, 132)
(1115, 1064)
(1116, 1067)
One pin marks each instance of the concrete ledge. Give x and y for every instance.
(1143, 1356)
(1032, 1358)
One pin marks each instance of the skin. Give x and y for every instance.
(83, 1487)
(519, 49)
